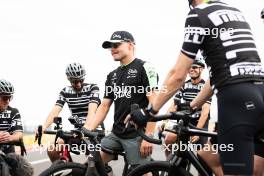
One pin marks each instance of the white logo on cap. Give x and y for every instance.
(116, 36)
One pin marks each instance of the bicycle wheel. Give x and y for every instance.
(65, 169)
(159, 168)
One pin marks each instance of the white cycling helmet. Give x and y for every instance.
(6, 88)
(75, 71)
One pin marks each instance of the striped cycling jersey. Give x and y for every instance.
(10, 120)
(225, 38)
(78, 101)
(188, 92)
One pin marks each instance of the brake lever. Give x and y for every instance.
(38, 136)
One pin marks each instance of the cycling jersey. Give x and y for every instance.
(225, 38)
(78, 101)
(187, 93)
(10, 120)
(125, 86)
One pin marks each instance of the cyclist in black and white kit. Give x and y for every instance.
(11, 129)
(186, 94)
(236, 76)
(82, 99)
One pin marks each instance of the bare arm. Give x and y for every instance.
(172, 108)
(205, 94)
(150, 125)
(16, 136)
(92, 107)
(54, 113)
(100, 114)
(173, 81)
(204, 115)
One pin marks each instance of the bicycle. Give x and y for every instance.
(12, 163)
(93, 166)
(184, 130)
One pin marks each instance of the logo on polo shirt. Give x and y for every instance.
(132, 73)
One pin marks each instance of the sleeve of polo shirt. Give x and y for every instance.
(150, 77)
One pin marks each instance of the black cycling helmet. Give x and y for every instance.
(262, 14)
(75, 71)
(6, 88)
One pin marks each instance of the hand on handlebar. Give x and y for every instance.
(5, 137)
(161, 126)
(140, 117)
(145, 148)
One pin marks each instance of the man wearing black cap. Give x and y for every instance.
(134, 81)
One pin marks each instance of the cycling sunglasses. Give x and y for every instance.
(195, 67)
(6, 97)
(115, 45)
(76, 81)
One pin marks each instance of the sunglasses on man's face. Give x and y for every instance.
(6, 97)
(76, 81)
(115, 45)
(195, 67)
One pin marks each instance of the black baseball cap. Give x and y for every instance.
(118, 36)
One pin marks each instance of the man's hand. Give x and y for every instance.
(161, 126)
(5, 137)
(145, 148)
(194, 139)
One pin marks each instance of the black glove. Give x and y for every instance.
(184, 106)
(140, 117)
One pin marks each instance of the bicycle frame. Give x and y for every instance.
(66, 155)
(184, 136)
(184, 132)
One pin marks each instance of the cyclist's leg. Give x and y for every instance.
(54, 152)
(239, 120)
(109, 142)
(259, 159)
(170, 138)
(132, 151)
(211, 157)
(258, 166)
(213, 161)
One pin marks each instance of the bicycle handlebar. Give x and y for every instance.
(185, 126)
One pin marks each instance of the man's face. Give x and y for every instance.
(77, 84)
(4, 101)
(120, 50)
(195, 71)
